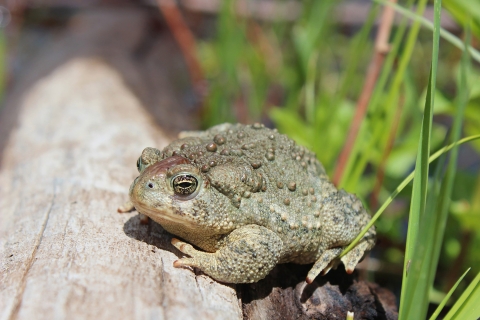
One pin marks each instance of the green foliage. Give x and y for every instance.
(416, 284)
(306, 76)
(447, 296)
(465, 12)
(402, 185)
(467, 306)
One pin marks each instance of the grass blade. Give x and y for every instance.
(417, 205)
(447, 297)
(414, 299)
(467, 306)
(432, 223)
(400, 187)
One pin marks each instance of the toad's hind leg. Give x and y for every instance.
(247, 255)
(330, 258)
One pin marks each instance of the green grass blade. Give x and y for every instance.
(467, 306)
(399, 189)
(413, 299)
(465, 12)
(417, 204)
(428, 243)
(447, 297)
(439, 212)
(422, 265)
(443, 33)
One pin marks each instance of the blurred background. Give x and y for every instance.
(345, 78)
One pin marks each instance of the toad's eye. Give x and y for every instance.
(139, 163)
(184, 184)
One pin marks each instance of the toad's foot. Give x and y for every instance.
(129, 207)
(329, 258)
(353, 257)
(247, 255)
(126, 207)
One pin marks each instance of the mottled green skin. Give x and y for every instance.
(261, 200)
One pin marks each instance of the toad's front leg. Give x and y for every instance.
(247, 255)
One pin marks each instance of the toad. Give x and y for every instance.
(249, 198)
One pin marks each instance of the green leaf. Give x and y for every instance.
(414, 295)
(447, 297)
(465, 11)
(435, 220)
(288, 122)
(433, 223)
(467, 306)
(442, 104)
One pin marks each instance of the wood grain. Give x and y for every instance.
(64, 250)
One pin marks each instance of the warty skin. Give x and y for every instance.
(250, 198)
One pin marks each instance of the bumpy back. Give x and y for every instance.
(243, 159)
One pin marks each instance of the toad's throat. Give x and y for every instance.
(165, 216)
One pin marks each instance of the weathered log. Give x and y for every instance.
(65, 169)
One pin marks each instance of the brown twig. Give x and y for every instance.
(186, 41)
(381, 49)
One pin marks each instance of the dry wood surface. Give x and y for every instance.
(65, 250)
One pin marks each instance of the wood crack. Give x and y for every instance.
(198, 286)
(17, 302)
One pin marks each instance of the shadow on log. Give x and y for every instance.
(285, 295)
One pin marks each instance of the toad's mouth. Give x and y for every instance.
(164, 214)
